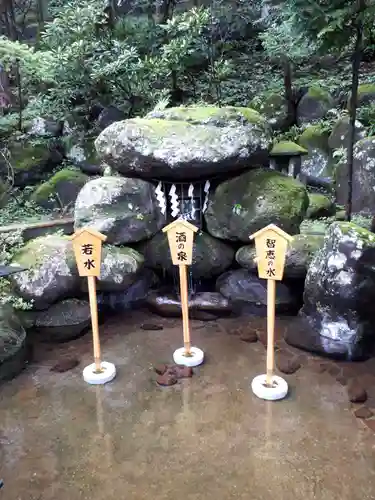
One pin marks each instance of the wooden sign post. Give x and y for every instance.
(181, 238)
(87, 246)
(271, 244)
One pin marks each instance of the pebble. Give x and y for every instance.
(167, 379)
(356, 392)
(151, 327)
(65, 365)
(286, 364)
(250, 336)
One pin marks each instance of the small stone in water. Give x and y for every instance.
(65, 365)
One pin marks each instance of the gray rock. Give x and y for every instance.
(186, 143)
(245, 204)
(64, 321)
(318, 162)
(320, 206)
(51, 273)
(249, 292)
(41, 127)
(125, 210)
(339, 296)
(298, 258)
(120, 268)
(13, 348)
(136, 294)
(61, 190)
(340, 133)
(313, 106)
(109, 115)
(211, 257)
(363, 194)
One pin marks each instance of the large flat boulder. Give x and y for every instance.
(186, 143)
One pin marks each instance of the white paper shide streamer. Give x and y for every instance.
(206, 189)
(160, 196)
(191, 196)
(175, 209)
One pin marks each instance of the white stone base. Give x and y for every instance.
(278, 390)
(196, 359)
(108, 373)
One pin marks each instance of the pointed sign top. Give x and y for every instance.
(180, 222)
(92, 232)
(273, 228)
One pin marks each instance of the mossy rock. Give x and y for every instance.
(65, 185)
(247, 203)
(314, 105)
(340, 134)
(366, 94)
(315, 226)
(299, 255)
(30, 162)
(318, 162)
(183, 144)
(320, 206)
(274, 108)
(314, 136)
(287, 148)
(209, 114)
(211, 257)
(51, 273)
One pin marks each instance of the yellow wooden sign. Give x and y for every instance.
(181, 238)
(271, 244)
(87, 246)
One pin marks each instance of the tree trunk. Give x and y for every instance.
(288, 89)
(357, 57)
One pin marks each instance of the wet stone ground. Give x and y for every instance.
(207, 436)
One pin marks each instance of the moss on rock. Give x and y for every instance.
(314, 136)
(300, 253)
(320, 206)
(253, 200)
(319, 94)
(65, 184)
(287, 148)
(207, 114)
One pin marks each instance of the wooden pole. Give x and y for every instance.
(271, 298)
(94, 322)
(185, 308)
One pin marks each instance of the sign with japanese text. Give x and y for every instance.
(181, 238)
(87, 246)
(271, 244)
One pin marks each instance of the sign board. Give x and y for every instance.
(181, 238)
(271, 244)
(87, 246)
